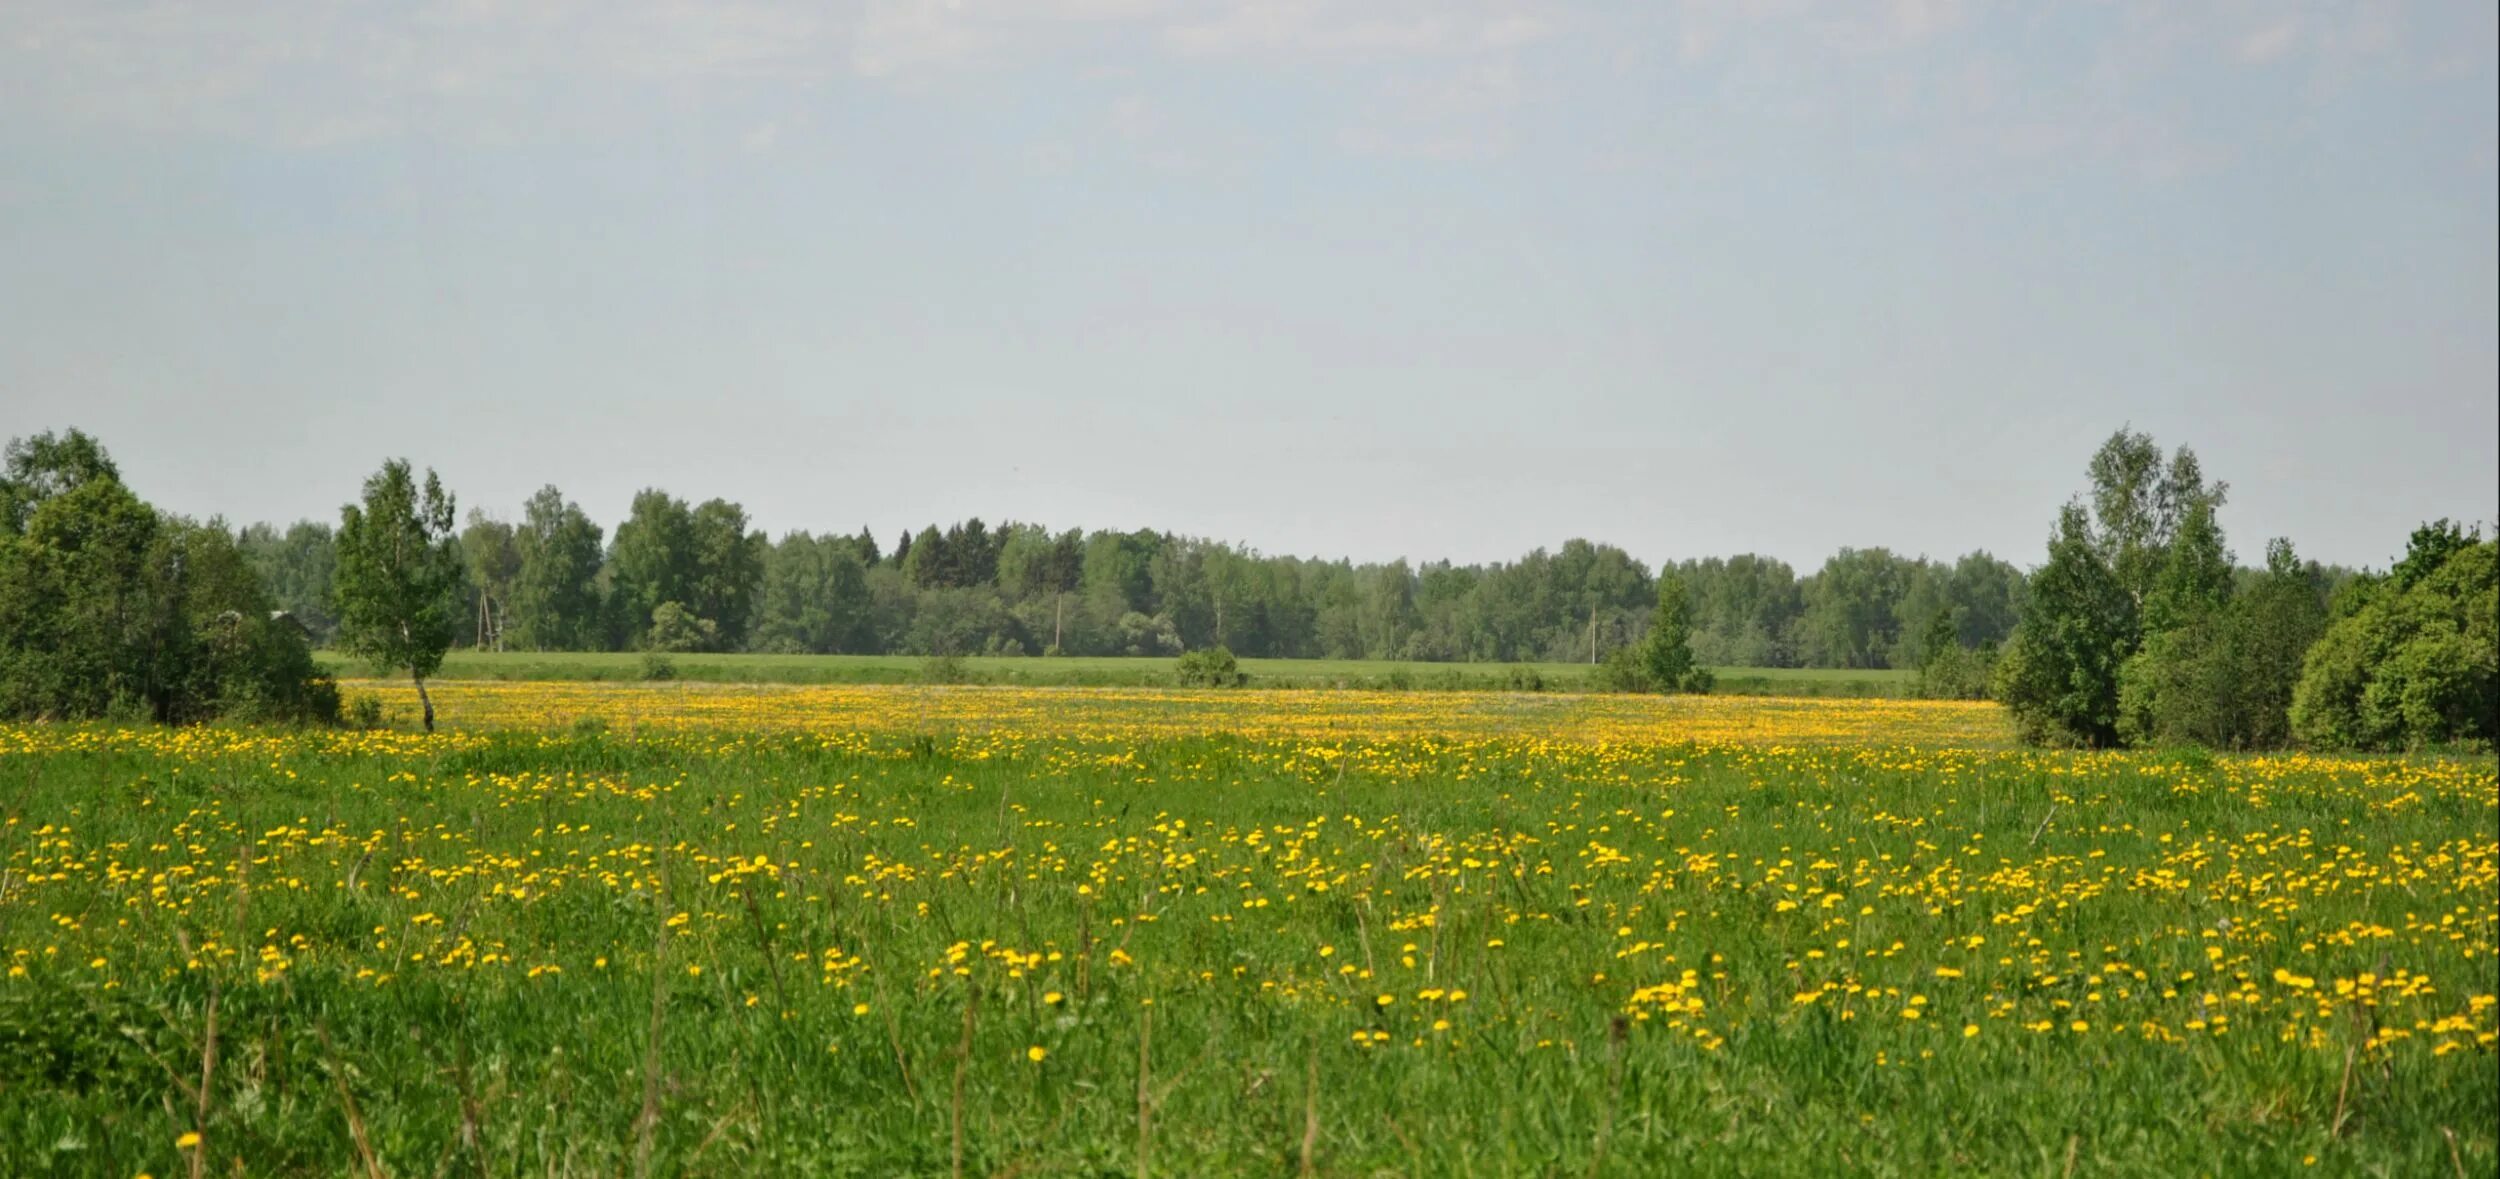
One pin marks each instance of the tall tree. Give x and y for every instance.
(399, 576)
(1606, 584)
(972, 554)
(727, 566)
(1748, 610)
(815, 597)
(1853, 616)
(46, 466)
(1987, 597)
(652, 562)
(1389, 618)
(555, 595)
(2060, 677)
(492, 558)
(2278, 620)
(924, 559)
(2194, 579)
(83, 620)
(2138, 503)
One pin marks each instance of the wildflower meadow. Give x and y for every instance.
(687, 930)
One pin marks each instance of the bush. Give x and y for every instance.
(259, 669)
(364, 710)
(657, 666)
(2409, 665)
(1625, 671)
(1210, 667)
(1141, 634)
(1953, 672)
(674, 628)
(1639, 669)
(944, 669)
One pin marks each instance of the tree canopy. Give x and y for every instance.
(399, 576)
(2138, 627)
(109, 608)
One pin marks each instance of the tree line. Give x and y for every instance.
(2138, 628)
(678, 576)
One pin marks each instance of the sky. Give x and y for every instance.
(1365, 278)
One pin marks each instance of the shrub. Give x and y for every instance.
(2413, 663)
(657, 666)
(944, 669)
(674, 628)
(364, 710)
(1954, 672)
(1210, 667)
(1625, 671)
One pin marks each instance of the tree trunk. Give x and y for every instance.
(1058, 606)
(1592, 633)
(426, 701)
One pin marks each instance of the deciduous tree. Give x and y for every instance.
(399, 576)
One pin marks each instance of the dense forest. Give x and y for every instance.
(2140, 627)
(676, 576)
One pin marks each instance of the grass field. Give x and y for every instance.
(1088, 671)
(852, 930)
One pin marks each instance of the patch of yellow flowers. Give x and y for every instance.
(1843, 871)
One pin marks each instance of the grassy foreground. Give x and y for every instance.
(1107, 672)
(840, 931)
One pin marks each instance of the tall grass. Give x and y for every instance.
(981, 952)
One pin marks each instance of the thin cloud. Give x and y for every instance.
(312, 75)
(2269, 43)
(1324, 29)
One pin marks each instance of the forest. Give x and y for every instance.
(679, 576)
(2141, 626)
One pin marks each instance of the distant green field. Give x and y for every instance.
(1122, 672)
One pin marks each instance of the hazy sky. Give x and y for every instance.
(1333, 277)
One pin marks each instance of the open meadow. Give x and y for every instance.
(853, 930)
